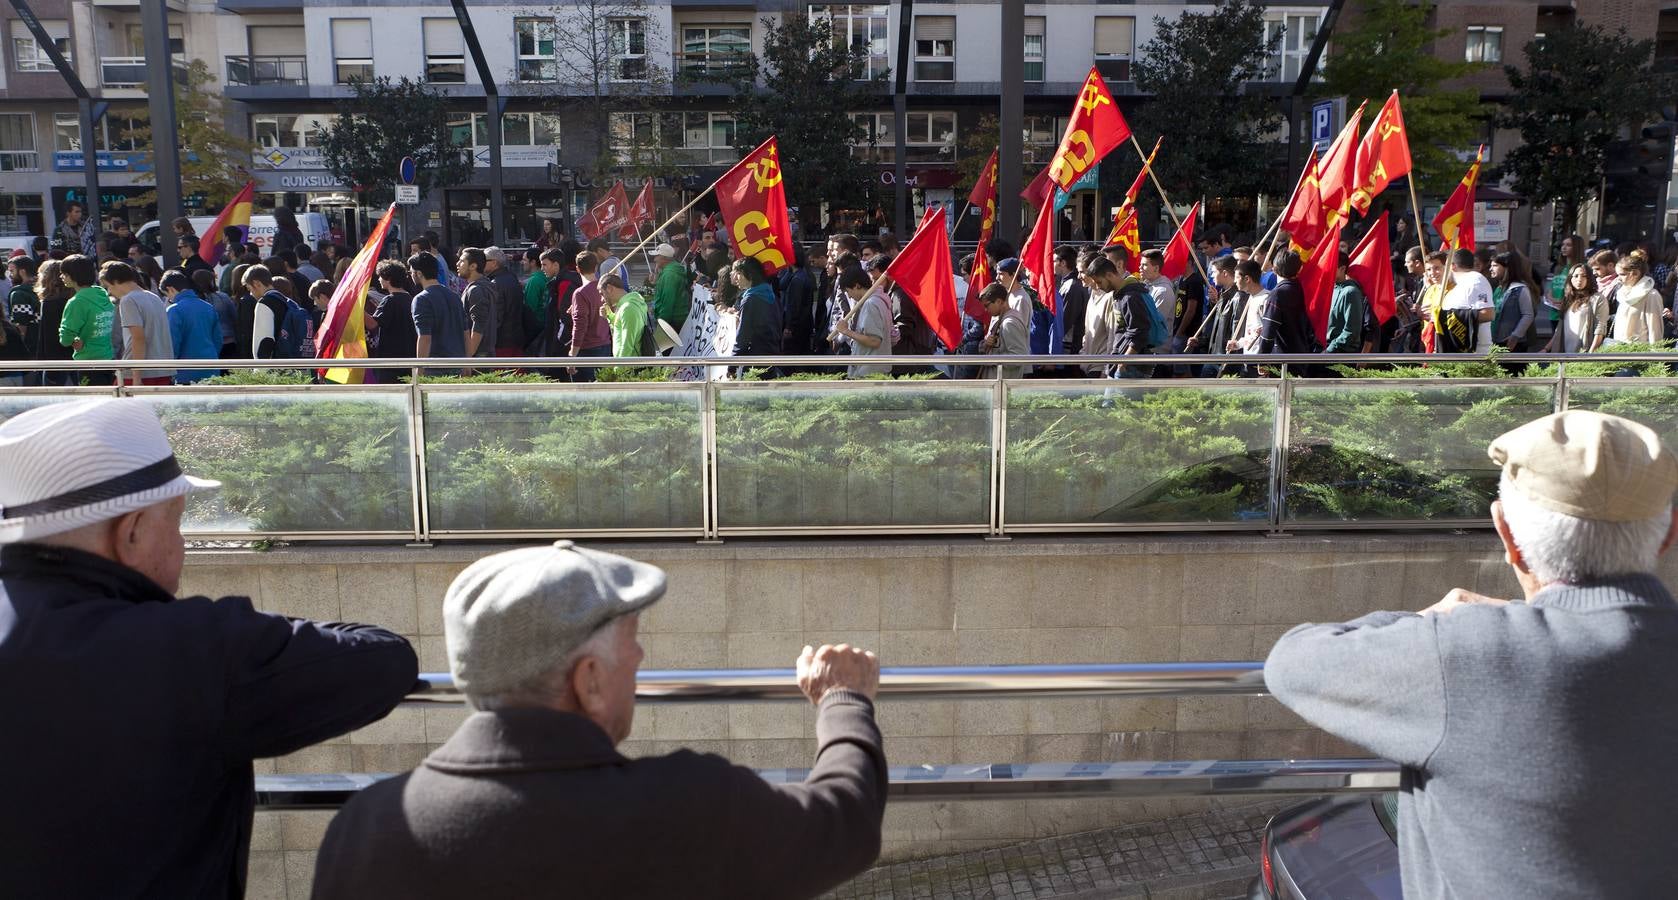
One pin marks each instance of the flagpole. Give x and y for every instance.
(1169, 211)
(666, 224)
(1416, 210)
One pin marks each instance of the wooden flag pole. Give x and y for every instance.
(1169, 211)
(1416, 210)
(667, 222)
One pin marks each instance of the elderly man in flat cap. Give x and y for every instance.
(1538, 736)
(130, 718)
(529, 798)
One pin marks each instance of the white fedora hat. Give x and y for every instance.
(66, 465)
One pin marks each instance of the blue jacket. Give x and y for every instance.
(760, 322)
(196, 328)
(131, 720)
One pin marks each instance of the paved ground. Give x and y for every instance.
(1210, 855)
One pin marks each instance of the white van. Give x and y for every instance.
(313, 225)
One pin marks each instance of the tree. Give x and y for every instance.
(1199, 69)
(1390, 48)
(802, 89)
(1581, 86)
(380, 124)
(214, 163)
(601, 50)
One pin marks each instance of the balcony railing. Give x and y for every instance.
(130, 71)
(260, 70)
(20, 161)
(712, 66)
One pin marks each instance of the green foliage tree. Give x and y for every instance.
(1388, 48)
(382, 122)
(1582, 85)
(1198, 69)
(802, 88)
(215, 163)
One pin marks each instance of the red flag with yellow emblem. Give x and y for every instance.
(984, 197)
(1383, 155)
(1096, 128)
(1455, 222)
(1128, 235)
(1303, 220)
(754, 203)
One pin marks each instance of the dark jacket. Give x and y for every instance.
(1130, 316)
(798, 301)
(129, 753)
(760, 323)
(556, 336)
(1074, 301)
(396, 337)
(1287, 328)
(510, 312)
(536, 802)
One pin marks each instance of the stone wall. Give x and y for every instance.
(932, 602)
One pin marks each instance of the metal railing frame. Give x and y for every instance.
(1284, 382)
(966, 781)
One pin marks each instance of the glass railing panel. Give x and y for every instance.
(1370, 452)
(527, 458)
(293, 460)
(853, 454)
(1654, 405)
(1106, 452)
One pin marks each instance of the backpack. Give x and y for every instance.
(1157, 334)
(649, 344)
(292, 333)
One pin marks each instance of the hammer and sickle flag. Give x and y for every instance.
(1455, 222)
(754, 203)
(1096, 128)
(1383, 155)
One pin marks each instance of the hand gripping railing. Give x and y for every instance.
(969, 781)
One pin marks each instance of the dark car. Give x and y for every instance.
(1336, 848)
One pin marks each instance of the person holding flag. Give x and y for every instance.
(231, 228)
(343, 330)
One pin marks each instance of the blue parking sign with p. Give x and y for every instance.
(1322, 121)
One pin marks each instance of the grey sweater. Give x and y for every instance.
(1540, 742)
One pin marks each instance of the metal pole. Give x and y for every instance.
(900, 117)
(495, 106)
(1011, 122)
(90, 116)
(160, 88)
(89, 111)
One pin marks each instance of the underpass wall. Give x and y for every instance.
(933, 602)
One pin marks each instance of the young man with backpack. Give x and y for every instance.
(1133, 320)
(279, 325)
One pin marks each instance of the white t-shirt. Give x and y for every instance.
(1471, 290)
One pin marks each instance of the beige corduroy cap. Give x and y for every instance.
(511, 616)
(1589, 465)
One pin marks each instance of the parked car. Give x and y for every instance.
(314, 226)
(1335, 848)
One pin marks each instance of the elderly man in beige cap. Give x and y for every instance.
(529, 798)
(1539, 736)
(131, 718)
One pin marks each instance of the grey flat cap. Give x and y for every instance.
(511, 616)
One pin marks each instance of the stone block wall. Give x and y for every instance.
(916, 602)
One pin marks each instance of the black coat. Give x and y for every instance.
(537, 803)
(131, 719)
(1287, 327)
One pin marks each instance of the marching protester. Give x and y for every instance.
(86, 324)
(193, 324)
(1638, 319)
(866, 327)
(1514, 313)
(626, 312)
(1577, 673)
(390, 323)
(590, 334)
(530, 792)
(1585, 320)
(136, 694)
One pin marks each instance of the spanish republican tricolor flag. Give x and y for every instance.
(343, 331)
(236, 214)
(1455, 222)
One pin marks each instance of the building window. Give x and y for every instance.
(445, 52)
(1042, 137)
(935, 48)
(67, 133)
(288, 130)
(1485, 43)
(534, 43)
(352, 50)
(22, 214)
(120, 131)
(715, 50)
(707, 139)
(518, 130)
(929, 137)
(1115, 41)
(1297, 34)
(686, 139)
(1034, 48)
(860, 27)
(28, 57)
(17, 143)
(628, 49)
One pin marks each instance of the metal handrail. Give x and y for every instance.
(992, 781)
(1179, 679)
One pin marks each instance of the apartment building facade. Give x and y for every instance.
(284, 64)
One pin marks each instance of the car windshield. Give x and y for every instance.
(1386, 810)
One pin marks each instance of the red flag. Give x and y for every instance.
(1040, 191)
(1176, 263)
(984, 197)
(343, 330)
(1303, 219)
(1316, 280)
(641, 213)
(1337, 171)
(1095, 129)
(1455, 222)
(236, 214)
(1126, 234)
(1147, 164)
(754, 201)
(1038, 256)
(1372, 269)
(612, 212)
(588, 226)
(1383, 155)
(923, 271)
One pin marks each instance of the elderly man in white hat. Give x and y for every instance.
(1539, 736)
(529, 798)
(131, 717)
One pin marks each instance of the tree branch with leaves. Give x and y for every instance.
(215, 163)
(383, 122)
